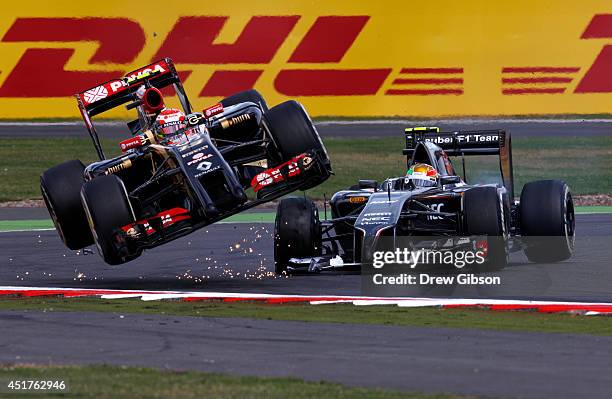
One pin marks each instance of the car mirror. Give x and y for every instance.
(450, 180)
(363, 184)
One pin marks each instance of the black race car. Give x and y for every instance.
(541, 223)
(176, 176)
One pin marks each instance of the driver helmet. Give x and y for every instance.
(422, 175)
(170, 120)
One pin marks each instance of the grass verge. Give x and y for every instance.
(333, 313)
(45, 224)
(250, 217)
(134, 383)
(585, 163)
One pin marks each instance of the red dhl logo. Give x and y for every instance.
(191, 41)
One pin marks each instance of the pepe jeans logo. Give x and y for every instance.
(95, 94)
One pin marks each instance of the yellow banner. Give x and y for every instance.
(344, 58)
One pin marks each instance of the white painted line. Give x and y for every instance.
(158, 297)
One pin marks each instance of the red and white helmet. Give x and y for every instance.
(170, 120)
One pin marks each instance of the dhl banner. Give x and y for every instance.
(344, 58)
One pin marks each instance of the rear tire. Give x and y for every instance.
(297, 232)
(108, 209)
(547, 221)
(484, 215)
(61, 191)
(246, 96)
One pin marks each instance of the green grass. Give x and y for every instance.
(333, 313)
(23, 160)
(585, 163)
(40, 224)
(133, 382)
(247, 217)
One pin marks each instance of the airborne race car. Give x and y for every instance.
(541, 223)
(165, 186)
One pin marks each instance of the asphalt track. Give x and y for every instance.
(472, 362)
(238, 258)
(372, 128)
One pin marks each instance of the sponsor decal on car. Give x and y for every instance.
(274, 175)
(477, 138)
(195, 119)
(168, 218)
(226, 123)
(435, 208)
(134, 142)
(190, 153)
(125, 164)
(307, 162)
(373, 218)
(213, 110)
(357, 200)
(206, 169)
(100, 92)
(95, 94)
(199, 157)
(204, 166)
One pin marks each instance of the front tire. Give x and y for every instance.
(297, 232)
(61, 190)
(484, 215)
(293, 133)
(547, 221)
(252, 96)
(108, 208)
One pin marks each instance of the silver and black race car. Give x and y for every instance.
(541, 223)
(178, 175)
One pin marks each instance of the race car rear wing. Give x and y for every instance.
(468, 142)
(117, 92)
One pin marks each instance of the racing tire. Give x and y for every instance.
(293, 133)
(246, 96)
(297, 232)
(547, 221)
(484, 214)
(108, 208)
(61, 190)
(292, 130)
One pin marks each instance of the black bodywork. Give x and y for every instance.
(198, 182)
(369, 210)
